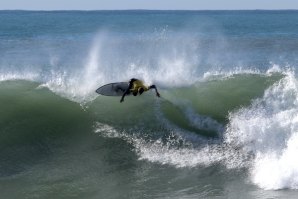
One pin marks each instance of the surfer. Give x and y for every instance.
(137, 86)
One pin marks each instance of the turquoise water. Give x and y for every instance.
(225, 127)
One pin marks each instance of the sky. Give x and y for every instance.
(147, 4)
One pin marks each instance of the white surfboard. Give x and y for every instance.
(113, 89)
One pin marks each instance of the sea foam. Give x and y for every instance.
(268, 130)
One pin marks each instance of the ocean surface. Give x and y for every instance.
(226, 125)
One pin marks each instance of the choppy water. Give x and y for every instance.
(225, 127)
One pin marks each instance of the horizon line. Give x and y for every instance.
(86, 10)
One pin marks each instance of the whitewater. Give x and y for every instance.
(226, 125)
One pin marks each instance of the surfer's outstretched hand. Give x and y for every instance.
(122, 100)
(157, 94)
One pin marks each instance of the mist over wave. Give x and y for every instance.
(158, 60)
(166, 59)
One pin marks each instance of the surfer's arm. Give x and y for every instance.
(156, 91)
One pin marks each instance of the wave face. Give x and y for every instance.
(228, 106)
(196, 125)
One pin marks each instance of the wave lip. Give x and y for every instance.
(18, 76)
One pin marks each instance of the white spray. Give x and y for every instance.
(269, 130)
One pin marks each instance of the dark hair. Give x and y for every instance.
(132, 80)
